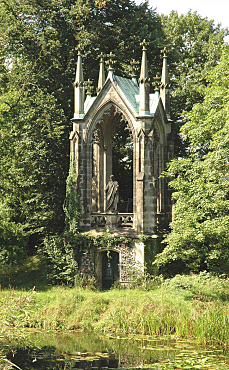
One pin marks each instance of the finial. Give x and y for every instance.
(133, 68)
(111, 61)
(79, 48)
(102, 56)
(88, 86)
(144, 44)
(164, 52)
(156, 83)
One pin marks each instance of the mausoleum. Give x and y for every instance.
(128, 103)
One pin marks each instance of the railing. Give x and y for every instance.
(123, 219)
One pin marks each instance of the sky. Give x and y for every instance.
(218, 10)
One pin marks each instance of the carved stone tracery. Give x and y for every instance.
(97, 134)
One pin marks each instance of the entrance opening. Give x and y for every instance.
(122, 166)
(110, 269)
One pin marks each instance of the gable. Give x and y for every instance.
(120, 91)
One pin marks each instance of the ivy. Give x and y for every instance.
(64, 253)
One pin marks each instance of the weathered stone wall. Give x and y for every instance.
(131, 260)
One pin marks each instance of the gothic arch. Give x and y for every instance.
(98, 140)
(159, 129)
(106, 109)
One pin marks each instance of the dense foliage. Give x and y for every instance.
(194, 47)
(200, 229)
(37, 65)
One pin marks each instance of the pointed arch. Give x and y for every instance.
(106, 109)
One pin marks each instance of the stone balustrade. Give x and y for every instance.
(123, 219)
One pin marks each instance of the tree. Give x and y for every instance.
(37, 66)
(194, 48)
(37, 63)
(61, 251)
(200, 229)
(32, 164)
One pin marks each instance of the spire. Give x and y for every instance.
(165, 87)
(144, 83)
(110, 63)
(101, 80)
(79, 88)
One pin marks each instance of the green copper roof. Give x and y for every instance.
(129, 90)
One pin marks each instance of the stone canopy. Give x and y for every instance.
(95, 122)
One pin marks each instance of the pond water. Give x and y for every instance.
(44, 351)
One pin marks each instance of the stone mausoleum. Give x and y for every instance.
(122, 102)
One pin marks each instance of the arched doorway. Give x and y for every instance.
(110, 268)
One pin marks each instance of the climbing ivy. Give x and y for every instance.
(72, 205)
(64, 253)
(59, 251)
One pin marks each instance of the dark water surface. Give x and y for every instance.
(89, 351)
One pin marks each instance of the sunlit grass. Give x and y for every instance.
(183, 307)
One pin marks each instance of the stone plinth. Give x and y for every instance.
(112, 221)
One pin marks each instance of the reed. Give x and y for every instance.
(185, 307)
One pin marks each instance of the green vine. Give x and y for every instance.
(86, 242)
(65, 252)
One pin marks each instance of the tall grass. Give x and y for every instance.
(185, 307)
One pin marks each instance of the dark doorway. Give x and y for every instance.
(110, 269)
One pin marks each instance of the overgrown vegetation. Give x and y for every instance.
(194, 306)
(40, 242)
(37, 65)
(199, 237)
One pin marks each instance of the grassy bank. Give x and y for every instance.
(186, 306)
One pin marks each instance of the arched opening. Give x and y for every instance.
(111, 153)
(122, 165)
(110, 268)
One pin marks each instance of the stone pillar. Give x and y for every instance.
(149, 224)
(145, 216)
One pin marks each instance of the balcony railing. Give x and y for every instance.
(123, 219)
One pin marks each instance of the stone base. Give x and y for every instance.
(112, 222)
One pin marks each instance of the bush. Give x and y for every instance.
(60, 259)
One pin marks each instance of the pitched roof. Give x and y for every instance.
(129, 91)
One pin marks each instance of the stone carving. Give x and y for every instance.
(112, 195)
(97, 135)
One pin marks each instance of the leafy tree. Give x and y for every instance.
(194, 48)
(13, 237)
(46, 32)
(37, 65)
(32, 175)
(200, 229)
(118, 26)
(61, 251)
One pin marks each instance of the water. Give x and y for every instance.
(44, 351)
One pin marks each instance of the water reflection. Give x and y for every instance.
(92, 352)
